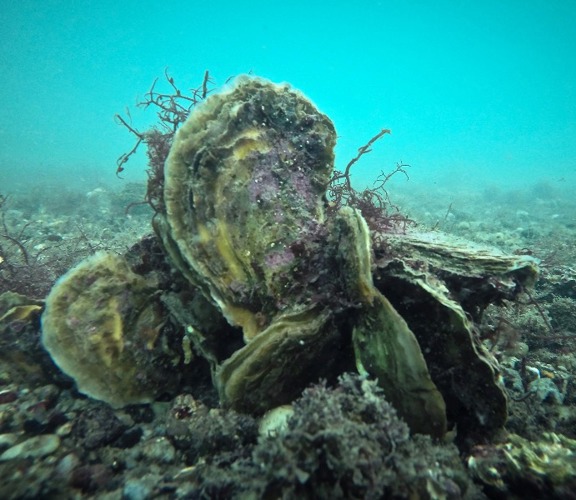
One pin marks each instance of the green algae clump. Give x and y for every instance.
(345, 441)
(102, 326)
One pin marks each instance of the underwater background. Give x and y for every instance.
(475, 94)
(474, 196)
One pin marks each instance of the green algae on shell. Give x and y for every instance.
(387, 350)
(17, 307)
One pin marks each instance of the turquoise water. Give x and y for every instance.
(474, 93)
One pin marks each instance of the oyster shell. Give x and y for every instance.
(275, 366)
(245, 185)
(384, 346)
(245, 222)
(440, 285)
(102, 326)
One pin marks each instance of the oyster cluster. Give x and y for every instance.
(246, 224)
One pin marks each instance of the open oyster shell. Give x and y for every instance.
(441, 285)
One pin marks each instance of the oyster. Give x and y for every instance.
(244, 190)
(245, 221)
(440, 285)
(384, 346)
(102, 325)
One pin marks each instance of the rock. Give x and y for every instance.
(139, 488)
(545, 390)
(66, 466)
(275, 421)
(159, 450)
(7, 440)
(98, 426)
(129, 438)
(34, 447)
(8, 396)
(90, 478)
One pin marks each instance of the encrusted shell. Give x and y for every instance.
(102, 326)
(245, 198)
(462, 369)
(275, 366)
(439, 285)
(384, 346)
(245, 184)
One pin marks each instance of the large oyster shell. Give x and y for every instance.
(103, 327)
(245, 221)
(244, 195)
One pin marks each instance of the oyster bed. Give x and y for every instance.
(54, 441)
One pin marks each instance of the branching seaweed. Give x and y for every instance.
(373, 203)
(30, 261)
(172, 109)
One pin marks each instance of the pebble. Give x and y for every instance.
(7, 440)
(275, 421)
(35, 447)
(136, 489)
(98, 426)
(545, 390)
(129, 438)
(160, 450)
(8, 397)
(65, 429)
(66, 466)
